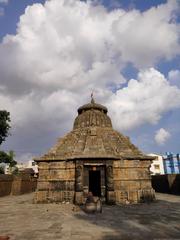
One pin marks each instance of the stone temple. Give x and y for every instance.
(95, 158)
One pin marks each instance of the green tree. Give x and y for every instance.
(12, 162)
(4, 132)
(8, 158)
(4, 125)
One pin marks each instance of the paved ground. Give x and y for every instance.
(22, 220)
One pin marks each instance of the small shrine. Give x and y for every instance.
(94, 158)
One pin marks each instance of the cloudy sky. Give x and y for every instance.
(54, 53)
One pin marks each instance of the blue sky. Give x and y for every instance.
(129, 4)
(18, 90)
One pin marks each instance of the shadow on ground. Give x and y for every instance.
(157, 220)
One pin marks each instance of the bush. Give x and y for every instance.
(2, 170)
(15, 171)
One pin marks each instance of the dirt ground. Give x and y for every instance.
(20, 219)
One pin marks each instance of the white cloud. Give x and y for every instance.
(67, 44)
(143, 39)
(32, 108)
(4, 1)
(2, 8)
(65, 49)
(1, 11)
(162, 136)
(174, 77)
(24, 158)
(144, 100)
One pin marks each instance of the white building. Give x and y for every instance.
(32, 164)
(157, 166)
(22, 166)
(7, 169)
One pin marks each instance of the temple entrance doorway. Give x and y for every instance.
(94, 179)
(95, 182)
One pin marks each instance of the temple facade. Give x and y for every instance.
(95, 158)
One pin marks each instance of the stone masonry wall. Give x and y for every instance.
(5, 184)
(168, 183)
(56, 182)
(23, 184)
(16, 185)
(132, 181)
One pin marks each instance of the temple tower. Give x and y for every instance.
(95, 158)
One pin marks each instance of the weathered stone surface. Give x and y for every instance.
(22, 220)
(121, 171)
(16, 185)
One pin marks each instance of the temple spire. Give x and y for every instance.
(92, 99)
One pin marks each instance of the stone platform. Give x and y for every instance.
(22, 220)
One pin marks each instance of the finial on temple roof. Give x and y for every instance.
(92, 99)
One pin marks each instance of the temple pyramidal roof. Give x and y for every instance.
(93, 137)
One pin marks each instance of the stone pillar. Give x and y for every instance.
(110, 184)
(79, 182)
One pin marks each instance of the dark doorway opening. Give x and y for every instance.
(95, 183)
